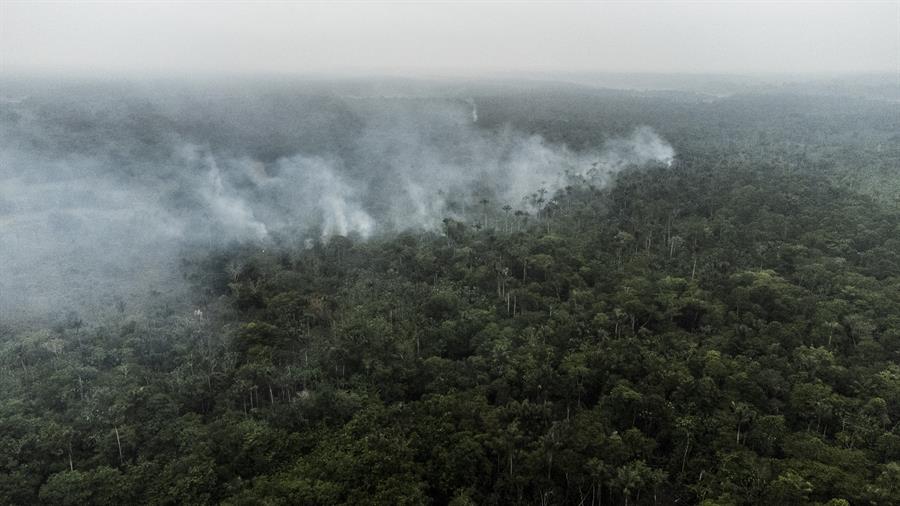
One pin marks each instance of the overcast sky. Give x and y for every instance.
(449, 37)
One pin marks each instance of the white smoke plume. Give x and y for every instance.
(100, 194)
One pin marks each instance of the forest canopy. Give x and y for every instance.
(717, 325)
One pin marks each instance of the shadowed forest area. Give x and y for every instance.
(718, 325)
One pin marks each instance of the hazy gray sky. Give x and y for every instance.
(449, 37)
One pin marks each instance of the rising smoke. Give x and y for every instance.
(101, 190)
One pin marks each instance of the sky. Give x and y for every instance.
(460, 37)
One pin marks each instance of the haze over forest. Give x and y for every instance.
(450, 253)
(449, 38)
(106, 188)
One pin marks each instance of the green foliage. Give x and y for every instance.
(725, 331)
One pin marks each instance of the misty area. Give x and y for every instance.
(106, 186)
(238, 266)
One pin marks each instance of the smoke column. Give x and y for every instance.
(101, 191)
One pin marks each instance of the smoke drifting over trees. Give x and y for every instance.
(103, 186)
(449, 253)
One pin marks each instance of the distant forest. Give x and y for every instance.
(721, 331)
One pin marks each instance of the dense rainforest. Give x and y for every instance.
(721, 331)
